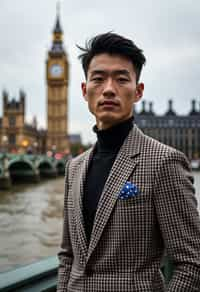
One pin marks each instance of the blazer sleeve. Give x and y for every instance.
(179, 221)
(65, 254)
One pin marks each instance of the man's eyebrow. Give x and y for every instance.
(98, 72)
(122, 72)
(115, 72)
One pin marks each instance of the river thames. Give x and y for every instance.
(31, 222)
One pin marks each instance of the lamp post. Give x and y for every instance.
(24, 144)
(53, 150)
(4, 144)
(5, 181)
(4, 151)
(35, 145)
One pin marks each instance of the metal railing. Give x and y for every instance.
(42, 276)
(37, 277)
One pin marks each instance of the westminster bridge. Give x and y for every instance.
(28, 167)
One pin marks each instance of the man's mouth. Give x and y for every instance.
(108, 103)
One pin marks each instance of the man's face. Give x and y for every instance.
(111, 89)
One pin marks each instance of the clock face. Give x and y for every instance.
(56, 70)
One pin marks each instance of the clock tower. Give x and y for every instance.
(57, 74)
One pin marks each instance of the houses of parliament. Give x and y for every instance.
(18, 136)
(181, 132)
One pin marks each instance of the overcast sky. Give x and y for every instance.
(167, 31)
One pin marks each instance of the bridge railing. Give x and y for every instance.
(42, 276)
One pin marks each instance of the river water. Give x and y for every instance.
(31, 222)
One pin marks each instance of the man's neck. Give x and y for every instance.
(104, 126)
(112, 138)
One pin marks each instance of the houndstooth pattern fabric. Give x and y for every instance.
(129, 236)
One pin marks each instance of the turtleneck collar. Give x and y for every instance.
(111, 139)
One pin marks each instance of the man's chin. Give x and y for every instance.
(107, 121)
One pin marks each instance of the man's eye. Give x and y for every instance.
(97, 79)
(122, 79)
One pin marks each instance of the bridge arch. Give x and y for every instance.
(46, 168)
(22, 169)
(60, 166)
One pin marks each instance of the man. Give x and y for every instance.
(129, 198)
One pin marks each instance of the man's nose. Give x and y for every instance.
(109, 89)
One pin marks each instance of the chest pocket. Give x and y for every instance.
(144, 196)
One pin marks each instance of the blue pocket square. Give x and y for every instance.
(129, 190)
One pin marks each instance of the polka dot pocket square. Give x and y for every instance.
(129, 190)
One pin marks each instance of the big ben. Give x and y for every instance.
(57, 72)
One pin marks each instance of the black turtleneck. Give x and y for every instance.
(108, 144)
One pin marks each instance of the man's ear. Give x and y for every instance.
(84, 90)
(139, 91)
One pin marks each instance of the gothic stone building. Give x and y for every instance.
(57, 74)
(179, 131)
(15, 134)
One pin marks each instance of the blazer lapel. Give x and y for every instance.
(78, 189)
(122, 168)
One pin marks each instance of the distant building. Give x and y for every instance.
(179, 131)
(57, 75)
(16, 135)
(75, 139)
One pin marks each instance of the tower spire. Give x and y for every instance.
(57, 45)
(58, 8)
(57, 28)
(57, 73)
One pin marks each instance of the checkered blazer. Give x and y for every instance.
(129, 236)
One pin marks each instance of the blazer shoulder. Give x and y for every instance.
(73, 164)
(80, 158)
(160, 150)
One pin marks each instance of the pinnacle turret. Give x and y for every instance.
(58, 28)
(57, 45)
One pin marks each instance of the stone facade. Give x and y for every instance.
(15, 134)
(18, 136)
(179, 131)
(57, 74)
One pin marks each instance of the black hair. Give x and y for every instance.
(112, 44)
